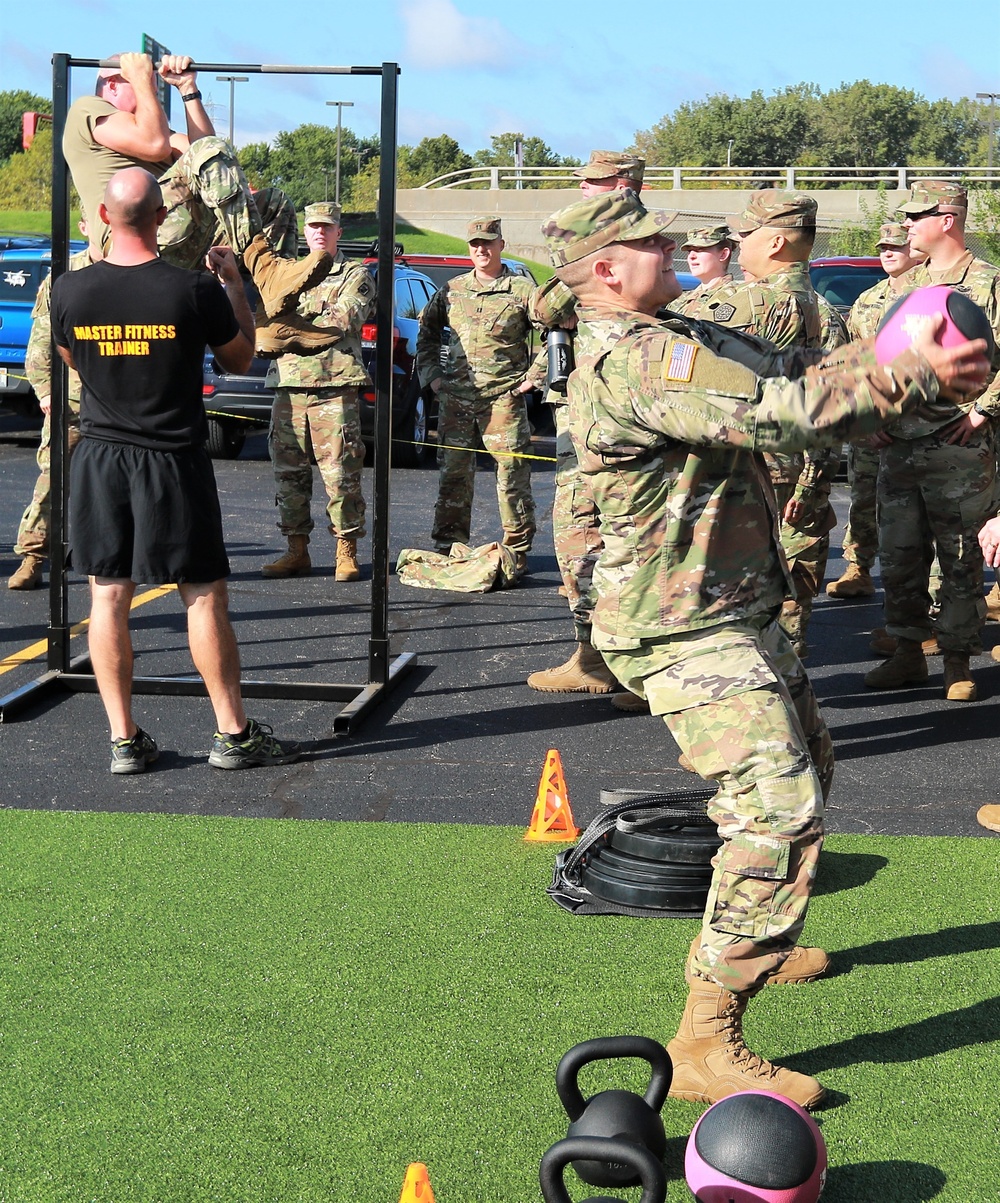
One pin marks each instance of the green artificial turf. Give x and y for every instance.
(218, 1009)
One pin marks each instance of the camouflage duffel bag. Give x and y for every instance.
(465, 570)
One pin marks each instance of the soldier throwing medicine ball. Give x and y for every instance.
(316, 409)
(691, 581)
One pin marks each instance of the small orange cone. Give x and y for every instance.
(552, 819)
(416, 1185)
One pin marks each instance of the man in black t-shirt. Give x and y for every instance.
(144, 505)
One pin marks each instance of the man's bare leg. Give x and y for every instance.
(215, 652)
(111, 650)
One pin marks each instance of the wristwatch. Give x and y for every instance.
(982, 412)
(191, 96)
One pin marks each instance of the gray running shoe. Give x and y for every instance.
(259, 748)
(132, 755)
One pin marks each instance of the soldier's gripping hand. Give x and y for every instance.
(136, 68)
(176, 69)
(960, 370)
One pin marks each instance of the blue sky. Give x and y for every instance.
(567, 73)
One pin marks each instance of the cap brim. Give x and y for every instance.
(914, 208)
(482, 238)
(653, 222)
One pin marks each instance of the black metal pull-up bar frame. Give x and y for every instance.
(383, 673)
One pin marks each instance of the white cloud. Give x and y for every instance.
(438, 35)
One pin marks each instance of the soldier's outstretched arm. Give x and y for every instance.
(686, 392)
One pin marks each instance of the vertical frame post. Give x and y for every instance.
(378, 647)
(58, 650)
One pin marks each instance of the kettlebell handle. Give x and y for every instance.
(599, 1148)
(602, 1049)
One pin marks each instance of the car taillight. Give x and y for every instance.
(368, 396)
(368, 331)
(208, 390)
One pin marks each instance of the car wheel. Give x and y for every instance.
(225, 438)
(411, 446)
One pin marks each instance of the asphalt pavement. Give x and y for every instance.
(462, 738)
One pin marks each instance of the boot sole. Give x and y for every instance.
(907, 684)
(571, 688)
(280, 576)
(699, 1096)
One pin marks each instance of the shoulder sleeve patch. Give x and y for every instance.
(679, 365)
(723, 312)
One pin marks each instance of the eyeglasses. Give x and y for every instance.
(930, 213)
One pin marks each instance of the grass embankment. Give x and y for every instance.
(228, 1010)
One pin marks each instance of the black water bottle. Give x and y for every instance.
(560, 345)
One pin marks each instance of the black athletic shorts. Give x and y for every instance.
(152, 517)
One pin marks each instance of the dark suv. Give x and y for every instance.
(235, 404)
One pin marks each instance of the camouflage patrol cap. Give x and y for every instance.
(706, 236)
(772, 207)
(893, 234)
(322, 213)
(926, 195)
(597, 222)
(485, 228)
(605, 163)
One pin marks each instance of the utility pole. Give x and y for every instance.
(341, 105)
(992, 98)
(232, 80)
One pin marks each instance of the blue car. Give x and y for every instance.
(25, 261)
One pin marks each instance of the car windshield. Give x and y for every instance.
(842, 284)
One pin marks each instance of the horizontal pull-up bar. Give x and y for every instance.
(255, 68)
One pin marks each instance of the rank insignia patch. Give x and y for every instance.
(722, 313)
(681, 363)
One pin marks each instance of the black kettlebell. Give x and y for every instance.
(648, 1170)
(617, 1114)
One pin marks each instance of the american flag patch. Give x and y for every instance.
(681, 363)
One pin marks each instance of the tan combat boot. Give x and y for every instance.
(958, 683)
(584, 672)
(711, 1061)
(347, 561)
(289, 332)
(630, 703)
(989, 816)
(856, 582)
(295, 561)
(28, 574)
(281, 281)
(993, 604)
(801, 965)
(884, 644)
(907, 666)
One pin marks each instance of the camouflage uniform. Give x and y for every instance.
(861, 532)
(33, 532)
(487, 359)
(207, 196)
(936, 493)
(784, 309)
(576, 533)
(686, 605)
(692, 575)
(316, 407)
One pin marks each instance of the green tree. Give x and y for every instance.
(255, 159)
(535, 153)
(985, 208)
(12, 107)
(432, 157)
(26, 177)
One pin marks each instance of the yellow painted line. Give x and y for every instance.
(545, 459)
(36, 650)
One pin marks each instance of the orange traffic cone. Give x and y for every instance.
(552, 818)
(416, 1185)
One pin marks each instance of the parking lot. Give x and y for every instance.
(462, 739)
